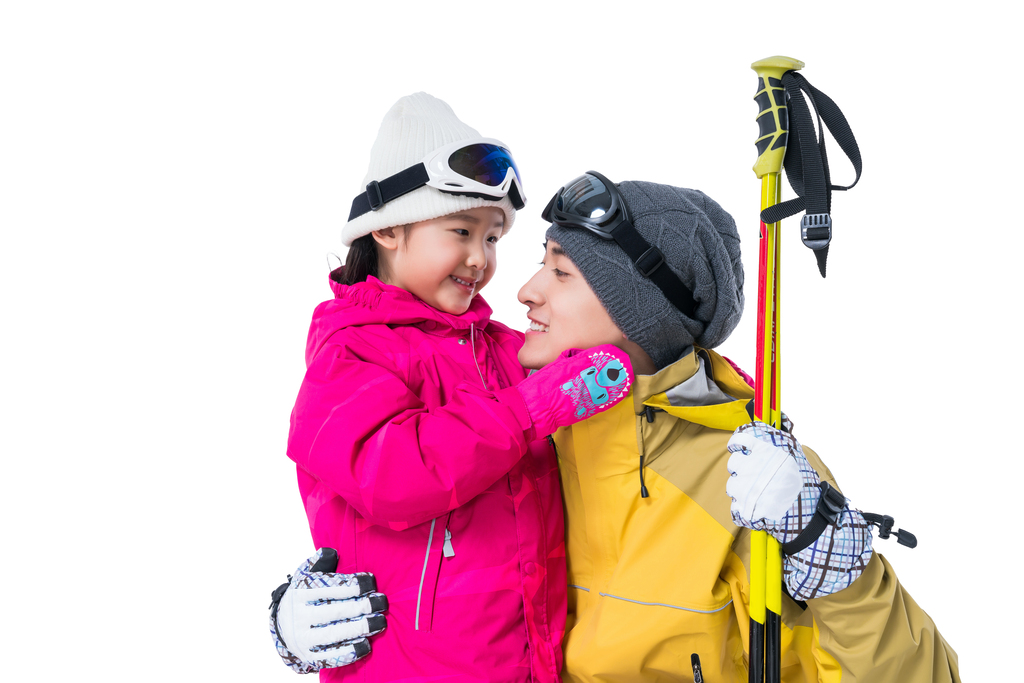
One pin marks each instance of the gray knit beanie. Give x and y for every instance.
(701, 246)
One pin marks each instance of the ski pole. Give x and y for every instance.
(766, 555)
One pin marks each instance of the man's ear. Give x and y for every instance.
(386, 238)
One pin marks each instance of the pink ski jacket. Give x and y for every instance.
(412, 464)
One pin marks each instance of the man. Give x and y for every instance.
(661, 492)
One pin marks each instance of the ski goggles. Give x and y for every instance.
(482, 168)
(593, 203)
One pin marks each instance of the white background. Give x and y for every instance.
(173, 176)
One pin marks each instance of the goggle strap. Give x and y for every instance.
(545, 215)
(379, 193)
(651, 263)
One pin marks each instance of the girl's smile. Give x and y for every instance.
(468, 285)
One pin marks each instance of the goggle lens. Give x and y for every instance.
(486, 164)
(586, 197)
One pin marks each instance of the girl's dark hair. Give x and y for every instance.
(360, 263)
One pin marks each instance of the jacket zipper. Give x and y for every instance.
(472, 348)
(649, 414)
(423, 574)
(449, 550)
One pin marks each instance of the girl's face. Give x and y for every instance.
(444, 261)
(564, 312)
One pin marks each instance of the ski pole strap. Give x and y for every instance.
(806, 163)
(830, 504)
(884, 524)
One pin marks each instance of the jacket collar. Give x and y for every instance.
(396, 306)
(701, 387)
(375, 303)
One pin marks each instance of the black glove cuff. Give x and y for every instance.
(830, 504)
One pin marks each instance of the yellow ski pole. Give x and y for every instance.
(765, 553)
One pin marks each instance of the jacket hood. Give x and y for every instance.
(374, 303)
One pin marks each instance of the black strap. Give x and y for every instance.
(651, 263)
(884, 524)
(806, 163)
(380, 193)
(275, 602)
(830, 504)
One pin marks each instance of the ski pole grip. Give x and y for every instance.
(772, 114)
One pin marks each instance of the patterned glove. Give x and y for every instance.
(574, 387)
(774, 488)
(320, 620)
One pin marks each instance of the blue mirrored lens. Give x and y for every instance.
(586, 197)
(487, 164)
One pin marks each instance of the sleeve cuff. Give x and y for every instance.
(511, 398)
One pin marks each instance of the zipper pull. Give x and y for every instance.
(643, 487)
(449, 551)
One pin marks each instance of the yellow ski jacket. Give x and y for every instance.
(652, 580)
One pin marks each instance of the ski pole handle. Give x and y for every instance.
(772, 114)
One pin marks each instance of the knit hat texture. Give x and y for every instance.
(701, 246)
(414, 127)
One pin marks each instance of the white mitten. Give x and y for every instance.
(320, 619)
(766, 476)
(774, 488)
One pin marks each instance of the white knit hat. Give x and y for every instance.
(414, 127)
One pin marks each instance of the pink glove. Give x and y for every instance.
(574, 387)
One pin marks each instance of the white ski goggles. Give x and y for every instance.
(482, 168)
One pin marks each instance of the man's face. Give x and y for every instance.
(564, 312)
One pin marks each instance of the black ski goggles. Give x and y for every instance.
(593, 203)
(481, 168)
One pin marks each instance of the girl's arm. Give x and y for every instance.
(363, 433)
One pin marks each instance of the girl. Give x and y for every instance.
(418, 438)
